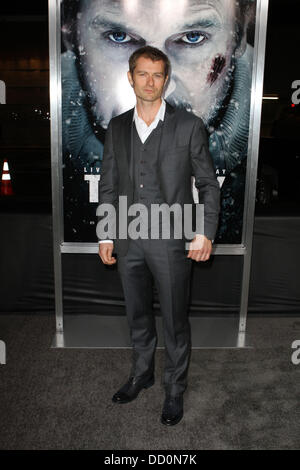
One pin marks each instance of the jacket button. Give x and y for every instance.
(141, 185)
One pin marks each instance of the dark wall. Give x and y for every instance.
(25, 118)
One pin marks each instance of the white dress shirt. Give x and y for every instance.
(144, 130)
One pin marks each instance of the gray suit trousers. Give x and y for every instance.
(166, 262)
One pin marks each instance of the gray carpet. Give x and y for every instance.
(61, 399)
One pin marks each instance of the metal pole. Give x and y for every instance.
(254, 132)
(55, 93)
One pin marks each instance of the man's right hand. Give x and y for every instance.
(105, 253)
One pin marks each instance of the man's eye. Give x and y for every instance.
(194, 37)
(119, 36)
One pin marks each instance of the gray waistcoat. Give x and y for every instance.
(145, 174)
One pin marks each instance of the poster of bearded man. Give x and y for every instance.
(210, 47)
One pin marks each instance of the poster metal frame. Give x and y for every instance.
(244, 249)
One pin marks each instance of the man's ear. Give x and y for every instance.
(130, 78)
(68, 36)
(240, 50)
(249, 17)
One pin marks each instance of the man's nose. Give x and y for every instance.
(150, 80)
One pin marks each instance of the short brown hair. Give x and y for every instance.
(150, 53)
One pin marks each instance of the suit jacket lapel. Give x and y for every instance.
(168, 131)
(126, 142)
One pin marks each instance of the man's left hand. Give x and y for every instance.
(200, 248)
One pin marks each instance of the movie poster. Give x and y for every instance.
(210, 46)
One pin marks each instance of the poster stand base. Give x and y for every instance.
(111, 332)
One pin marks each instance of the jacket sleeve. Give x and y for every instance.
(205, 178)
(108, 187)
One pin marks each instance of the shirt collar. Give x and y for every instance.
(159, 115)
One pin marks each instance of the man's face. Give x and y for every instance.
(197, 35)
(148, 79)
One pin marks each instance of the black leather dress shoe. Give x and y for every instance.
(132, 388)
(172, 410)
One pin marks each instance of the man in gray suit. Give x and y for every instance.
(150, 154)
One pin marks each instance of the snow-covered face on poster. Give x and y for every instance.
(199, 37)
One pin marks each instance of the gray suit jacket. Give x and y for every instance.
(183, 152)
